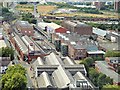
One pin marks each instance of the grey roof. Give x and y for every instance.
(58, 74)
(53, 59)
(76, 23)
(60, 77)
(44, 80)
(27, 40)
(82, 42)
(104, 68)
(24, 24)
(20, 43)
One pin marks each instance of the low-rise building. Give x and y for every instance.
(77, 27)
(24, 28)
(79, 47)
(100, 33)
(52, 27)
(55, 72)
(114, 62)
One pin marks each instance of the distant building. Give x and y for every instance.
(116, 5)
(77, 27)
(99, 4)
(52, 27)
(24, 28)
(100, 33)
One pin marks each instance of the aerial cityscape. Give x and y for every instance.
(60, 45)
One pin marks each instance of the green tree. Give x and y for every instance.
(101, 80)
(112, 54)
(93, 75)
(109, 80)
(16, 69)
(14, 79)
(7, 52)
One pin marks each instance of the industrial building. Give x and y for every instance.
(77, 46)
(77, 27)
(24, 28)
(52, 27)
(26, 47)
(53, 71)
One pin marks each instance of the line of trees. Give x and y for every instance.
(86, 10)
(15, 78)
(106, 26)
(29, 17)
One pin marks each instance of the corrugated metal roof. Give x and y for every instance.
(61, 77)
(68, 61)
(52, 59)
(21, 45)
(44, 80)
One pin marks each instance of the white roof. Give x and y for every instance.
(49, 25)
(99, 32)
(2, 43)
(68, 61)
(71, 23)
(73, 43)
(52, 59)
(40, 62)
(44, 80)
(60, 77)
(96, 52)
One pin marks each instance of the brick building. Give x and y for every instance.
(24, 28)
(77, 27)
(79, 46)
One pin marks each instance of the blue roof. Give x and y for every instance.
(99, 32)
(92, 48)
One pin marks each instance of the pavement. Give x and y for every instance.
(31, 75)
